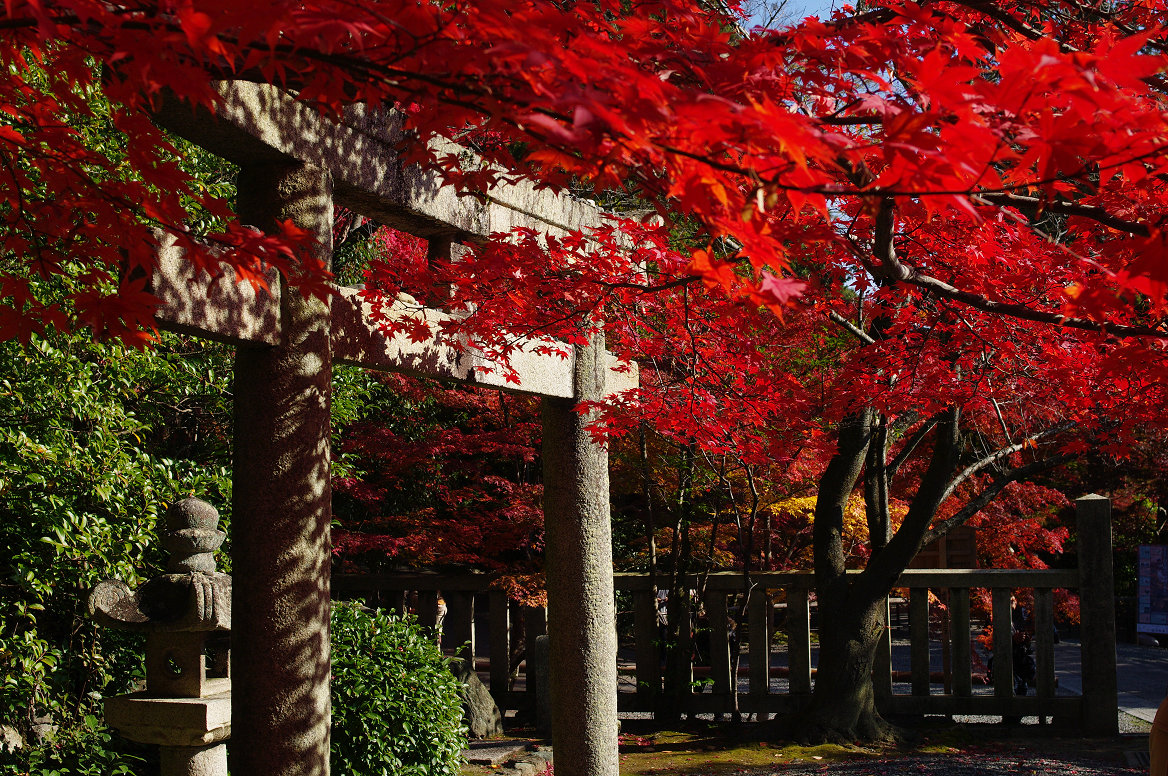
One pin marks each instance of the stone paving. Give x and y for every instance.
(510, 757)
(494, 751)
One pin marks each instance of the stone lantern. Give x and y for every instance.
(186, 616)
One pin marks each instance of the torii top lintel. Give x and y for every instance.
(257, 123)
(260, 122)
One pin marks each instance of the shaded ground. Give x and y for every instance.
(953, 751)
(923, 765)
(940, 750)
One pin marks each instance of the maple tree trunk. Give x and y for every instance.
(843, 706)
(852, 609)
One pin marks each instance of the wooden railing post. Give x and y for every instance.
(882, 664)
(395, 601)
(648, 648)
(959, 633)
(678, 656)
(534, 626)
(918, 625)
(534, 623)
(1097, 616)
(428, 609)
(799, 640)
(1044, 641)
(719, 644)
(458, 628)
(499, 642)
(1003, 646)
(759, 630)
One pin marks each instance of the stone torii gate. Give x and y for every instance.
(296, 165)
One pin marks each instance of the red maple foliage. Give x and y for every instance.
(937, 115)
(973, 169)
(938, 220)
(453, 485)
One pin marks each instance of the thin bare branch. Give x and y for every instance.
(855, 330)
(1001, 454)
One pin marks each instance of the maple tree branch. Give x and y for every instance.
(883, 247)
(979, 502)
(990, 9)
(28, 23)
(876, 485)
(1033, 206)
(909, 446)
(855, 330)
(892, 268)
(886, 565)
(903, 423)
(1000, 454)
(850, 121)
(1001, 418)
(1015, 310)
(877, 16)
(648, 288)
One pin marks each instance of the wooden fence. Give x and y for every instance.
(785, 601)
(793, 594)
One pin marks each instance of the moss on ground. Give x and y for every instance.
(723, 749)
(713, 750)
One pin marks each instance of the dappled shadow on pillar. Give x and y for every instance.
(282, 512)
(281, 550)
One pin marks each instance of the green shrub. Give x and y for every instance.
(396, 706)
(88, 749)
(95, 441)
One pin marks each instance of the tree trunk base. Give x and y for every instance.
(869, 728)
(808, 728)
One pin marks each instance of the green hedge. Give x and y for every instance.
(396, 707)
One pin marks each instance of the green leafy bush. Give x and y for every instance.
(88, 749)
(396, 707)
(95, 441)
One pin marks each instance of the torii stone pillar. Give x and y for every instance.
(281, 506)
(581, 610)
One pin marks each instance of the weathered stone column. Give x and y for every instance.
(581, 616)
(281, 506)
(1097, 616)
